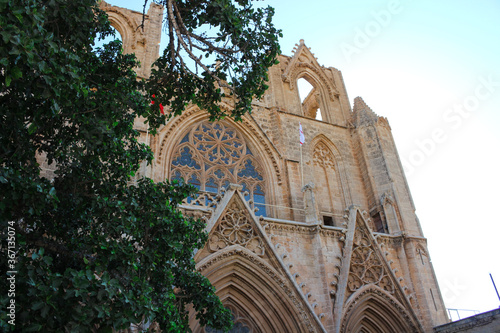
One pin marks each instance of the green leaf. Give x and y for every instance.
(47, 260)
(33, 328)
(32, 128)
(37, 306)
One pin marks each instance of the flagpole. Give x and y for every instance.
(301, 142)
(301, 167)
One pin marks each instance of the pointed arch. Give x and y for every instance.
(314, 102)
(330, 178)
(246, 282)
(257, 171)
(324, 95)
(372, 310)
(125, 28)
(143, 42)
(304, 61)
(391, 213)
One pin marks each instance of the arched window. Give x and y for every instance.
(212, 155)
(310, 99)
(327, 183)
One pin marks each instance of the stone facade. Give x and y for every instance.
(318, 238)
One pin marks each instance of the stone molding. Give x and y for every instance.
(295, 67)
(373, 292)
(236, 250)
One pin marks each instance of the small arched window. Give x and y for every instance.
(212, 155)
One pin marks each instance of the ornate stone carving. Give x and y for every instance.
(305, 229)
(303, 60)
(470, 324)
(323, 157)
(366, 267)
(177, 121)
(377, 293)
(213, 155)
(235, 228)
(272, 274)
(196, 214)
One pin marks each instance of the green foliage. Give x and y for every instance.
(93, 251)
(217, 48)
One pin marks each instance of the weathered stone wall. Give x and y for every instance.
(144, 41)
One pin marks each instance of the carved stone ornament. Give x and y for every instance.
(177, 123)
(366, 267)
(306, 318)
(403, 316)
(323, 157)
(235, 228)
(304, 61)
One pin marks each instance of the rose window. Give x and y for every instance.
(212, 155)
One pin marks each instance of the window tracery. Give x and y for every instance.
(323, 157)
(212, 155)
(325, 176)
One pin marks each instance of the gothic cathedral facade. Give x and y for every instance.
(318, 238)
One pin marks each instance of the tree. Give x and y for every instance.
(88, 249)
(233, 60)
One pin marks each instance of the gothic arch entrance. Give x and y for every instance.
(247, 284)
(371, 310)
(247, 273)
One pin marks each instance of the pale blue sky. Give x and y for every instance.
(417, 64)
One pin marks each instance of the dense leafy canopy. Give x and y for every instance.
(94, 250)
(216, 48)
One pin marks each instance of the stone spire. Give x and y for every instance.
(362, 113)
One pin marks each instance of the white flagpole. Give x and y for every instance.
(301, 141)
(301, 166)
